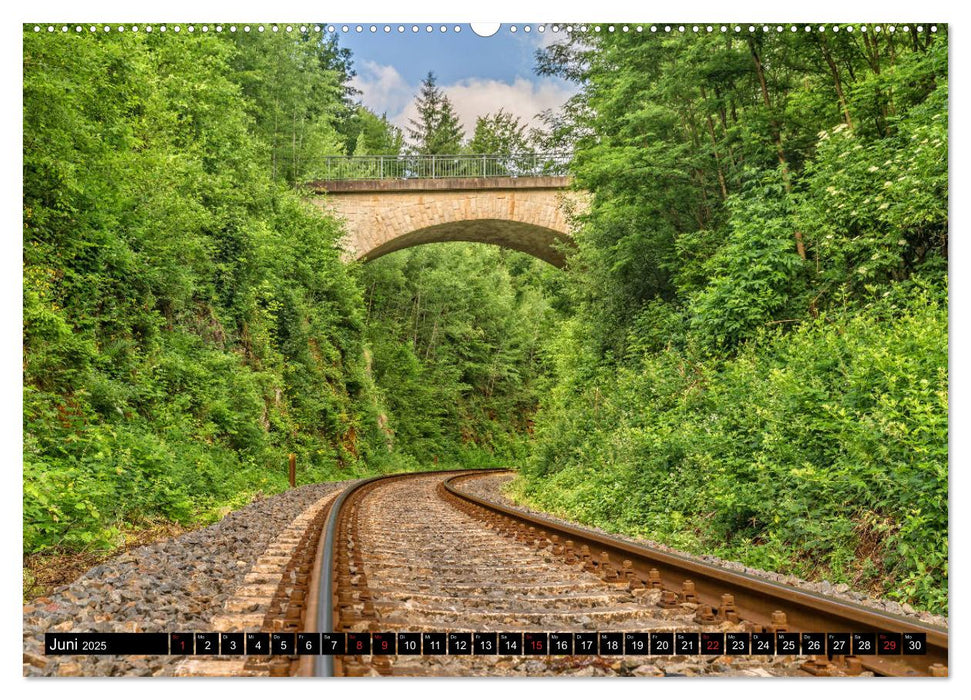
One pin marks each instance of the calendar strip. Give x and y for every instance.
(463, 643)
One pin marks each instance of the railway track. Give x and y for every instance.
(415, 553)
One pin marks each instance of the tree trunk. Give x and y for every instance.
(276, 113)
(434, 334)
(293, 148)
(714, 145)
(872, 52)
(891, 49)
(417, 312)
(834, 71)
(776, 136)
(913, 40)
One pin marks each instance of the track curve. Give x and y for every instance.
(414, 553)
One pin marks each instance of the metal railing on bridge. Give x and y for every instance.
(405, 167)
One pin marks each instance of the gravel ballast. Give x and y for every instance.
(491, 488)
(172, 585)
(181, 583)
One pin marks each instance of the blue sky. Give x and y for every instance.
(479, 74)
(453, 56)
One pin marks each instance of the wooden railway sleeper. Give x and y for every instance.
(279, 666)
(852, 666)
(819, 665)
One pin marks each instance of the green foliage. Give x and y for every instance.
(187, 319)
(756, 365)
(296, 93)
(875, 210)
(755, 276)
(377, 136)
(821, 451)
(455, 332)
(501, 133)
(670, 130)
(437, 129)
(746, 354)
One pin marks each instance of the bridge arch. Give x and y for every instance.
(529, 214)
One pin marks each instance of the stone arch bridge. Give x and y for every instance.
(458, 198)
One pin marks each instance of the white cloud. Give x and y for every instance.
(523, 98)
(549, 37)
(384, 90)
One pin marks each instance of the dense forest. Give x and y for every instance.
(188, 319)
(746, 354)
(754, 362)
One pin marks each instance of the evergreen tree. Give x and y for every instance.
(437, 129)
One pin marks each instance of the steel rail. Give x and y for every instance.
(326, 599)
(755, 598)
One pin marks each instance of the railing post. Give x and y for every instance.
(438, 166)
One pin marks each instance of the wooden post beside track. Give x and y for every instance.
(293, 470)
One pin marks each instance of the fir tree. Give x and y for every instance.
(437, 129)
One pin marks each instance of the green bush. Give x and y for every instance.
(821, 451)
(188, 320)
